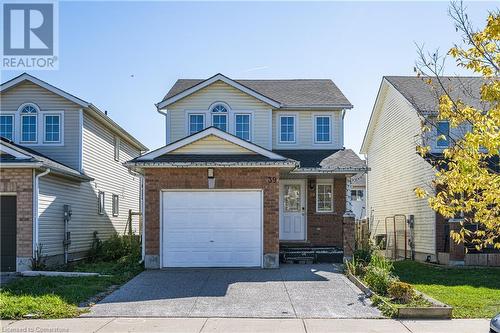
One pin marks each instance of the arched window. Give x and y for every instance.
(219, 116)
(29, 120)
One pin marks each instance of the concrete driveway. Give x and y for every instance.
(293, 291)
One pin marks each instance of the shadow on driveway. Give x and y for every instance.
(293, 291)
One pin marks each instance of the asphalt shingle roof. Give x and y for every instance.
(290, 93)
(189, 158)
(425, 97)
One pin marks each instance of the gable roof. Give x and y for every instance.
(424, 97)
(158, 154)
(17, 155)
(299, 93)
(89, 107)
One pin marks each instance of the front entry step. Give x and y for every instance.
(311, 254)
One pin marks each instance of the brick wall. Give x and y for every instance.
(157, 179)
(325, 229)
(20, 181)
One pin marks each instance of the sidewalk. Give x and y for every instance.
(244, 325)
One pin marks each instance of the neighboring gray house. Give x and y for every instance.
(58, 150)
(358, 196)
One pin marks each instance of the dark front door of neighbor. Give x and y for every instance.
(8, 233)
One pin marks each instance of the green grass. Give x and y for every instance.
(473, 293)
(58, 297)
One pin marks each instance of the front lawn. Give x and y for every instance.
(59, 297)
(472, 292)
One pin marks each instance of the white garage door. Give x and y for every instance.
(212, 229)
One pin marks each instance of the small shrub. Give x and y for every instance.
(38, 262)
(364, 255)
(115, 248)
(378, 279)
(355, 267)
(377, 260)
(401, 292)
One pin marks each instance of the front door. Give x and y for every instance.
(292, 210)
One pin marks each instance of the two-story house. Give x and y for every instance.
(402, 106)
(62, 178)
(248, 165)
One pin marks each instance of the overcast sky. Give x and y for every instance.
(124, 56)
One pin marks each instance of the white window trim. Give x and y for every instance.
(61, 128)
(250, 124)
(113, 197)
(324, 182)
(226, 114)
(295, 126)
(101, 209)
(188, 120)
(116, 148)
(437, 135)
(13, 117)
(315, 118)
(36, 127)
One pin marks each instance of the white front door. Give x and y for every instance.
(212, 228)
(292, 210)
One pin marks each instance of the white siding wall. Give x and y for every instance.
(396, 170)
(47, 101)
(238, 101)
(305, 127)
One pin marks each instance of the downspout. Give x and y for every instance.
(35, 218)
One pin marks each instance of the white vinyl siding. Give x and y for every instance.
(49, 103)
(396, 169)
(212, 145)
(305, 130)
(238, 102)
(110, 177)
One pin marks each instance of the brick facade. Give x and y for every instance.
(157, 179)
(20, 182)
(325, 229)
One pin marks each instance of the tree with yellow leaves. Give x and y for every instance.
(468, 173)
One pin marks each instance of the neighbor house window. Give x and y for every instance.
(7, 126)
(117, 148)
(196, 123)
(100, 203)
(443, 128)
(356, 195)
(242, 126)
(324, 197)
(29, 123)
(52, 128)
(115, 205)
(219, 117)
(287, 129)
(323, 128)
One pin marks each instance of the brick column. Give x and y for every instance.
(457, 251)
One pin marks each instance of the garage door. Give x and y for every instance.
(212, 229)
(8, 233)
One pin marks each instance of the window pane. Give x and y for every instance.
(287, 129)
(353, 195)
(115, 205)
(28, 127)
(324, 198)
(52, 128)
(220, 121)
(243, 126)
(100, 203)
(291, 194)
(196, 123)
(322, 129)
(7, 127)
(443, 128)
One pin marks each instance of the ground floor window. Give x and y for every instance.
(356, 195)
(115, 205)
(324, 196)
(100, 203)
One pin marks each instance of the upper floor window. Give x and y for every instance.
(323, 129)
(196, 123)
(443, 133)
(287, 129)
(219, 117)
(29, 119)
(356, 195)
(117, 148)
(52, 128)
(7, 126)
(242, 126)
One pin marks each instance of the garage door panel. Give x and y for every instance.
(212, 229)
